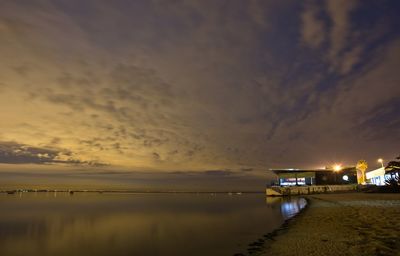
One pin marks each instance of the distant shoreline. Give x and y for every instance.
(126, 191)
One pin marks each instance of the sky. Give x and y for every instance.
(194, 94)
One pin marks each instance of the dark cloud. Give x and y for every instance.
(218, 172)
(156, 156)
(387, 113)
(22, 70)
(11, 152)
(16, 153)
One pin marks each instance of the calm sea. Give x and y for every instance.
(137, 224)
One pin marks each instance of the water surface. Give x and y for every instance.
(137, 224)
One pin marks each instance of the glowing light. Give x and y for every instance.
(380, 160)
(345, 177)
(337, 167)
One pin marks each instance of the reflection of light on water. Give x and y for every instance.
(273, 200)
(291, 207)
(109, 224)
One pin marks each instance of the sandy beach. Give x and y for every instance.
(342, 224)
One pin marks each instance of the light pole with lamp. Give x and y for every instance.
(380, 160)
(336, 168)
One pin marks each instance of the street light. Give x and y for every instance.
(380, 160)
(337, 167)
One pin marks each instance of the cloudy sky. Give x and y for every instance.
(167, 92)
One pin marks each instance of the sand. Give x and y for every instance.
(342, 224)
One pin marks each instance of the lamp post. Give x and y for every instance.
(336, 168)
(380, 160)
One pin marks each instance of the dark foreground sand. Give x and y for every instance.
(342, 224)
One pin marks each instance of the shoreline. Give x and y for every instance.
(259, 246)
(338, 224)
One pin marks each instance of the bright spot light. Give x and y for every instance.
(345, 177)
(380, 160)
(337, 167)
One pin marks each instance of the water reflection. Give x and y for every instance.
(292, 206)
(135, 224)
(289, 206)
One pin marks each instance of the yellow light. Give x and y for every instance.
(380, 160)
(337, 167)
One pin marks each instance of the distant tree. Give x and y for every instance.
(392, 184)
(393, 165)
(393, 181)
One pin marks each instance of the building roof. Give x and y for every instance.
(297, 170)
(292, 170)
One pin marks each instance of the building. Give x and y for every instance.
(304, 177)
(376, 176)
(392, 170)
(381, 175)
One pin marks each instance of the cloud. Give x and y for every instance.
(156, 156)
(340, 14)
(342, 50)
(209, 85)
(350, 112)
(350, 59)
(313, 28)
(218, 172)
(15, 153)
(372, 128)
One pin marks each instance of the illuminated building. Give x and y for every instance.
(381, 175)
(303, 177)
(376, 176)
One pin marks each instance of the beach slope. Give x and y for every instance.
(343, 224)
